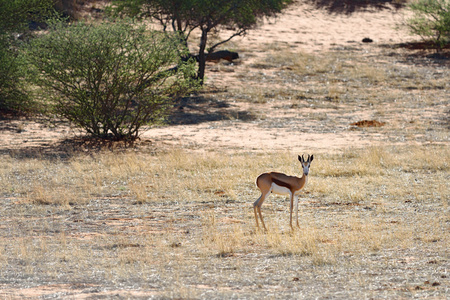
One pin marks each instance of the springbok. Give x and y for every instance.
(282, 184)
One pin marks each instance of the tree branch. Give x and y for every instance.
(239, 33)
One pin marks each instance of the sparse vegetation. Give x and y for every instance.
(197, 219)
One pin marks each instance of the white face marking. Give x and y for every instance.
(305, 168)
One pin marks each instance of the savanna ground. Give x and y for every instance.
(172, 217)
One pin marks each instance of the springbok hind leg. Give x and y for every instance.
(256, 215)
(262, 220)
(257, 210)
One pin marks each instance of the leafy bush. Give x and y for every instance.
(14, 19)
(431, 20)
(12, 95)
(111, 78)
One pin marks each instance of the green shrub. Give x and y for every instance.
(14, 19)
(431, 20)
(112, 78)
(12, 95)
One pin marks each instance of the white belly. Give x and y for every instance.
(280, 190)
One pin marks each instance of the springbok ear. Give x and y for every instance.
(300, 158)
(312, 157)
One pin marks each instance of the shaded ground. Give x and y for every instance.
(352, 6)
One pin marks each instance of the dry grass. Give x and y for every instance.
(180, 224)
(350, 77)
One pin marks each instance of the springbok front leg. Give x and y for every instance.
(290, 211)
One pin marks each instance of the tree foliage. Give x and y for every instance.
(12, 96)
(431, 20)
(111, 78)
(184, 16)
(15, 15)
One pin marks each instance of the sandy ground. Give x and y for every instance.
(307, 29)
(304, 29)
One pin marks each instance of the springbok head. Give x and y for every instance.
(306, 163)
